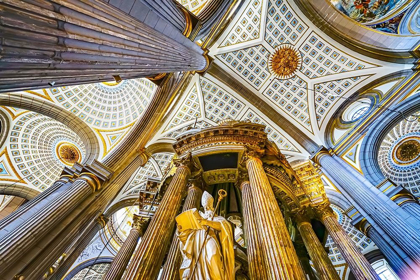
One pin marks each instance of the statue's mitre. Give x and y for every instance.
(207, 200)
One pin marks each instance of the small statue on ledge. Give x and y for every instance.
(206, 243)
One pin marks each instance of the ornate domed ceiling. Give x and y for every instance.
(399, 155)
(37, 149)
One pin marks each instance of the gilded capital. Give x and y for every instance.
(91, 179)
(301, 217)
(323, 210)
(185, 162)
(243, 177)
(140, 223)
(321, 152)
(102, 220)
(252, 154)
(65, 178)
(144, 156)
(364, 226)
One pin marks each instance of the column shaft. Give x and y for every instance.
(173, 261)
(74, 42)
(386, 214)
(358, 264)
(39, 201)
(279, 254)
(73, 253)
(147, 260)
(316, 251)
(121, 260)
(18, 241)
(253, 242)
(169, 11)
(413, 208)
(395, 261)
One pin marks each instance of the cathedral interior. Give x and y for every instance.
(209, 139)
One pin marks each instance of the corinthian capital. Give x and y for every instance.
(323, 210)
(252, 153)
(140, 223)
(186, 161)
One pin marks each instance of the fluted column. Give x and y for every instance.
(253, 241)
(169, 10)
(57, 43)
(173, 261)
(397, 263)
(18, 240)
(73, 253)
(148, 258)
(39, 201)
(358, 264)
(121, 260)
(316, 251)
(280, 257)
(385, 213)
(304, 258)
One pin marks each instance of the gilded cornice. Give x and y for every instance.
(227, 133)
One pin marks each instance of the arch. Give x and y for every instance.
(120, 205)
(86, 264)
(49, 109)
(366, 91)
(338, 199)
(374, 256)
(211, 14)
(360, 38)
(4, 128)
(379, 129)
(160, 147)
(19, 190)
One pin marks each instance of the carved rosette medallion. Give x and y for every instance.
(285, 61)
(407, 151)
(68, 153)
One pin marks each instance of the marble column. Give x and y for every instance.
(397, 263)
(40, 200)
(279, 255)
(316, 251)
(121, 260)
(173, 261)
(304, 259)
(358, 264)
(408, 202)
(391, 218)
(61, 43)
(148, 258)
(80, 244)
(19, 240)
(253, 243)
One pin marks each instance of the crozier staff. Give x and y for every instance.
(207, 252)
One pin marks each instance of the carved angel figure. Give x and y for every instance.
(217, 260)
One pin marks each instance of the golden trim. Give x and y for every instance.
(13, 116)
(45, 96)
(5, 152)
(188, 22)
(341, 147)
(100, 131)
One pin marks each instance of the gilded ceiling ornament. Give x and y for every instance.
(68, 153)
(408, 151)
(285, 61)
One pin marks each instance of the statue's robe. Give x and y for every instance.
(217, 260)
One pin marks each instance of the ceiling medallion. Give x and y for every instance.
(68, 153)
(407, 151)
(285, 61)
